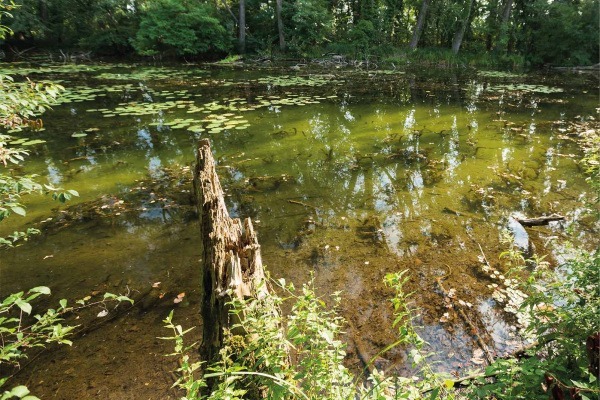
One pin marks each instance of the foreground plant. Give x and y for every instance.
(266, 355)
(562, 309)
(301, 356)
(22, 331)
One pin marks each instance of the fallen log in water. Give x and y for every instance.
(231, 263)
(540, 220)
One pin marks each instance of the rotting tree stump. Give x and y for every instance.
(231, 262)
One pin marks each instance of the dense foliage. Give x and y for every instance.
(20, 105)
(182, 28)
(301, 356)
(510, 32)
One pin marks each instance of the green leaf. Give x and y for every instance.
(63, 303)
(434, 393)
(23, 305)
(18, 210)
(40, 289)
(20, 391)
(32, 142)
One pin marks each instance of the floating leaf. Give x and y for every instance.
(18, 210)
(32, 142)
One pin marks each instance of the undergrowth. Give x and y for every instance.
(268, 355)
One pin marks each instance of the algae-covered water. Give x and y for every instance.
(348, 175)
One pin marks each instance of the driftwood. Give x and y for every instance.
(231, 263)
(302, 204)
(540, 220)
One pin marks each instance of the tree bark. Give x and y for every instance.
(278, 7)
(503, 29)
(242, 27)
(231, 263)
(492, 24)
(460, 33)
(420, 24)
(506, 12)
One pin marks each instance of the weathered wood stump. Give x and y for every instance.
(231, 263)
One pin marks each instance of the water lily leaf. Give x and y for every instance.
(18, 210)
(32, 142)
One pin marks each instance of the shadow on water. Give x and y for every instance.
(350, 175)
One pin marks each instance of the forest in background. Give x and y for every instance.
(499, 33)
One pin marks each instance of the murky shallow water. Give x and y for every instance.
(350, 175)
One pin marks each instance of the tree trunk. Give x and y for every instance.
(503, 30)
(460, 32)
(279, 6)
(242, 27)
(420, 24)
(43, 12)
(506, 11)
(231, 262)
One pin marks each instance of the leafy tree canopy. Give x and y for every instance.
(180, 28)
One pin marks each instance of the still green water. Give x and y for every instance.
(349, 175)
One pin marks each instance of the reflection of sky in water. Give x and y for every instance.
(154, 167)
(360, 183)
(319, 128)
(391, 230)
(506, 154)
(410, 121)
(416, 182)
(451, 156)
(381, 199)
(54, 174)
(144, 138)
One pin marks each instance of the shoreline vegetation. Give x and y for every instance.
(400, 59)
(504, 34)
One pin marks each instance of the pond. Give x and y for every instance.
(348, 175)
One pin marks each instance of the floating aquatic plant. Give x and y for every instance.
(287, 80)
(525, 88)
(499, 74)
